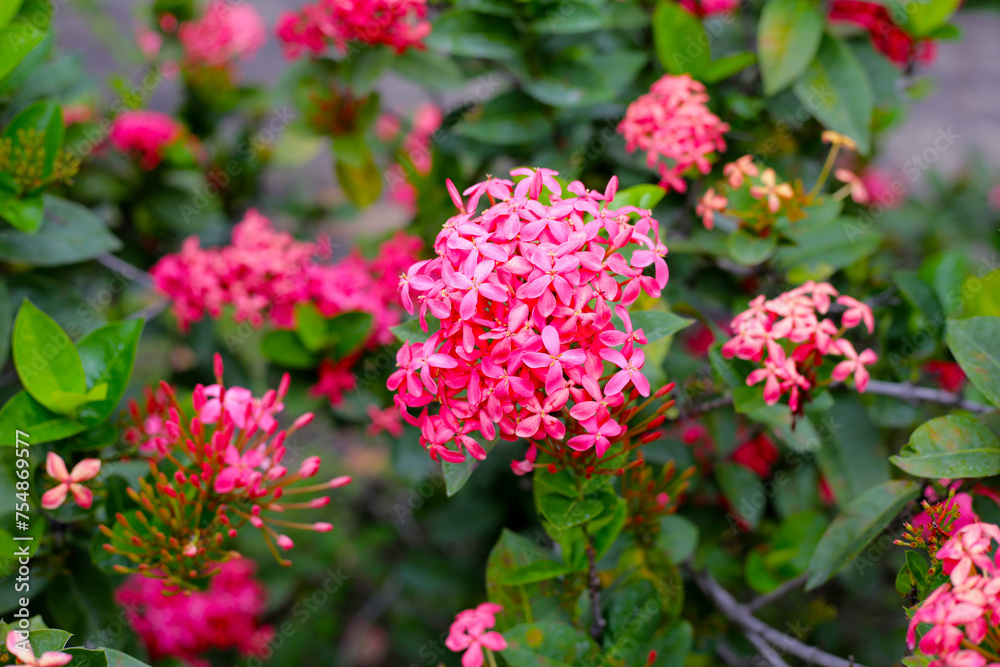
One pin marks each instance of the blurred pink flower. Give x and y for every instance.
(401, 24)
(471, 633)
(674, 127)
(224, 33)
(145, 134)
(69, 482)
(703, 8)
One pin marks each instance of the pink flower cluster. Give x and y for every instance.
(400, 24)
(144, 134)
(471, 633)
(265, 273)
(230, 470)
(226, 32)
(674, 127)
(963, 613)
(703, 8)
(223, 617)
(795, 317)
(525, 293)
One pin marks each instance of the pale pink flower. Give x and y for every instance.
(710, 204)
(859, 193)
(736, 171)
(69, 482)
(19, 647)
(384, 420)
(772, 190)
(674, 127)
(854, 364)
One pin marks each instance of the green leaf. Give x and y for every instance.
(45, 640)
(467, 33)
(69, 403)
(919, 294)
(836, 91)
(540, 570)
(569, 17)
(362, 184)
(24, 413)
(70, 233)
(681, 42)
(429, 69)
(741, 488)
(8, 10)
(549, 644)
(44, 118)
(857, 525)
(512, 554)
(658, 324)
(44, 356)
(566, 512)
(310, 326)
(975, 343)
(926, 16)
(951, 447)
(24, 33)
(852, 458)
(644, 196)
(284, 348)
(820, 251)
(85, 657)
(510, 119)
(6, 323)
(788, 35)
(108, 357)
(348, 332)
(457, 474)
(25, 214)
(410, 330)
(723, 68)
(119, 659)
(748, 249)
(678, 537)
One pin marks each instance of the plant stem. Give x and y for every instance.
(909, 392)
(594, 583)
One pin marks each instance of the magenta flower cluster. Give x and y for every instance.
(526, 294)
(673, 126)
(400, 24)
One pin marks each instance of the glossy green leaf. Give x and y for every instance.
(44, 356)
(723, 68)
(644, 196)
(857, 525)
(836, 91)
(119, 659)
(310, 326)
(85, 657)
(951, 447)
(108, 357)
(975, 343)
(550, 644)
(24, 413)
(658, 324)
(21, 35)
(25, 214)
(457, 474)
(46, 639)
(788, 36)
(348, 332)
(284, 349)
(411, 331)
(70, 233)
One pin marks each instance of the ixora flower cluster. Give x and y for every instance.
(400, 24)
(215, 471)
(887, 36)
(225, 32)
(224, 616)
(674, 127)
(471, 633)
(964, 613)
(530, 297)
(794, 318)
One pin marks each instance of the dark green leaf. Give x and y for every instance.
(549, 644)
(467, 33)
(749, 249)
(836, 91)
(857, 525)
(45, 640)
(658, 324)
(975, 343)
(84, 657)
(822, 250)
(723, 68)
(682, 45)
(951, 447)
(348, 332)
(70, 233)
(411, 331)
(510, 119)
(569, 17)
(788, 36)
(283, 348)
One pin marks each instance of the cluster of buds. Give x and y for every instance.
(23, 159)
(213, 473)
(790, 339)
(756, 198)
(674, 127)
(650, 495)
(525, 294)
(963, 613)
(938, 521)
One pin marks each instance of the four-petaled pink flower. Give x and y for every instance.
(856, 313)
(19, 647)
(710, 204)
(471, 633)
(736, 170)
(854, 363)
(772, 190)
(631, 371)
(69, 482)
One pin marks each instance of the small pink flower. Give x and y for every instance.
(384, 420)
(859, 193)
(471, 633)
(736, 170)
(772, 190)
(19, 647)
(145, 134)
(224, 33)
(69, 482)
(710, 204)
(856, 313)
(855, 363)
